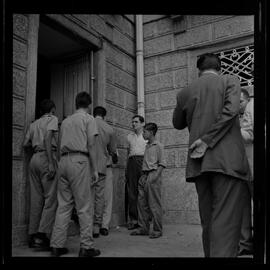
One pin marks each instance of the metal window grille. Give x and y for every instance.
(238, 62)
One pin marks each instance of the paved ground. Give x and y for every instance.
(177, 241)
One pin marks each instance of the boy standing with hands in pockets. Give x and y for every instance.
(149, 188)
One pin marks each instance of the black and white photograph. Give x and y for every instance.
(132, 136)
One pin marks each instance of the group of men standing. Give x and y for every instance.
(217, 163)
(70, 170)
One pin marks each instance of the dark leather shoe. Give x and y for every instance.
(245, 252)
(91, 252)
(132, 226)
(56, 252)
(41, 244)
(95, 235)
(104, 231)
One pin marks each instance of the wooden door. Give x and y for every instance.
(68, 78)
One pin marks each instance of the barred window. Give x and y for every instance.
(238, 62)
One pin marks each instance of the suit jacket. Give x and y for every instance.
(209, 107)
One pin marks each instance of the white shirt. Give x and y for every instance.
(136, 144)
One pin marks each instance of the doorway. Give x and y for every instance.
(63, 69)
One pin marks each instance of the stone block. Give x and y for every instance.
(18, 112)
(124, 79)
(19, 82)
(149, 30)
(20, 25)
(121, 137)
(167, 99)
(233, 26)
(19, 53)
(130, 101)
(114, 56)
(129, 64)
(182, 157)
(148, 18)
(152, 101)
(180, 78)
(149, 66)
(17, 140)
(123, 42)
(164, 26)
(170, 137)
(196, 20)
(159, 81)
(171, 157)
(115, 95)
(98, 24)
(83, 18)
(110, 72)
(194, 36)
(158, 45)
(161, 118)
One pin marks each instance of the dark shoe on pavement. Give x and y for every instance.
(245, 252)
(31, 240)
(132, 226)
(95, 235)
(41, 244)
(155, 235)
(92, 252)
(139, 232)
(104, 231)
(56, 252)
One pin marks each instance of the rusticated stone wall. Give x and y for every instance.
(171, 47)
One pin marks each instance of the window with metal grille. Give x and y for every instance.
(238, 62)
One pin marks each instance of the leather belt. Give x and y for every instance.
(75, 152)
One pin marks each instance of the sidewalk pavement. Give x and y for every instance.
(178, 240)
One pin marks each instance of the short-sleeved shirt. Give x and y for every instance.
(154, 156)
(38, 130)
(77, 132)
(106, 142)
(136, 144)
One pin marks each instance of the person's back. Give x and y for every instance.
(203, 103)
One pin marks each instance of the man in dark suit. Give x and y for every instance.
(216, 162)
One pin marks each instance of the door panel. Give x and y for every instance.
(67, 80)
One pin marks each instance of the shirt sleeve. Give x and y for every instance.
(92, 130)
(179, 114)
(52, 124)
(247, 124)
(161, 156)
(229, 112)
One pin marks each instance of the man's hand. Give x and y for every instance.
(52, 171)
(198, 149)
(94, 179)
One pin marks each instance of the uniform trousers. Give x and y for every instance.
(221, 204)
(43, 195)
(149, 202)
(133, 174)
(74, 189)
(99, 202)
(108, 199)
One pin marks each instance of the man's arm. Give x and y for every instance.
(247, 123)
(48, 148)
(112, 148)
(179, 115)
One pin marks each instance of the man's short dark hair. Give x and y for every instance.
(151, 127)
(83, 100)
(99, 110)
(46, 106)
(140, 118)
(209, 61)
(245, 93)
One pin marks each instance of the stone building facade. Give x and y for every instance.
(56, 56)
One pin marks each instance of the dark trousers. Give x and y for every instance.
(133, 174)
(221, 204)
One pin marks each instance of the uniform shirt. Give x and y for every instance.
(153, 156)
(38, 129)
(105, 143)
(136, 144)
(209, 108)
(77, 131)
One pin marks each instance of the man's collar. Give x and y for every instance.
(209, 71)
(152, 143)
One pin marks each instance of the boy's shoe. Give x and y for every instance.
(155, 235)
(139, 232)
(91, 252)
(56, 252)
(104, 231)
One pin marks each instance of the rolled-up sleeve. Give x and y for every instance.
(179, 115)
